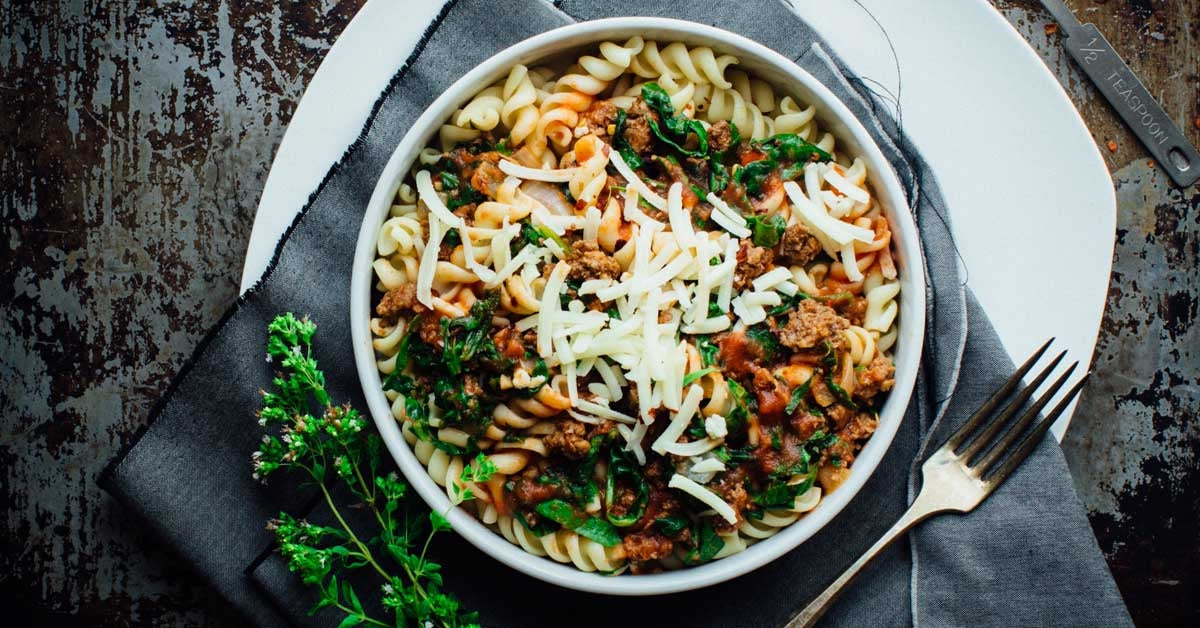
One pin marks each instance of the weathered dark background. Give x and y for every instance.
(134, 143)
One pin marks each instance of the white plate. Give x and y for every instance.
(1032, 203)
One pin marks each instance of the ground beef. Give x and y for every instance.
(508, 342)
(397, 301)
(587, 261)
(674, 173)
(859, 428)
(528, 491)
(854, 310)
(471, 385)
(429, 330)
(850, 438)
(698, 169)
(488, 176)
(568, 439)
(638, 134)
(731, 486)
(876, 378)
(772, 395)
(798, 246)
(597, 117)
(641, 547)
(806, 424)
(466, 212)
(602, 428)
(738, 354)
(752, 261)
(812, 324)
(839, 415)
(720, 137)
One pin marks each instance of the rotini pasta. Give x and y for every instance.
(635, 314)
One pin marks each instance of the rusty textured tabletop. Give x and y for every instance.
(135, 139)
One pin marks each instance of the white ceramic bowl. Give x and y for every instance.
(852, 139)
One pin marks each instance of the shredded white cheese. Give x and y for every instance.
(710, 499)
(636, 183)
(535, 174)
(429, 197)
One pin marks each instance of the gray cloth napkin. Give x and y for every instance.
(1026, 557)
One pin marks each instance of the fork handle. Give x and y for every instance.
(920, 510)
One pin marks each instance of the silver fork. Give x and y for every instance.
(961, 474)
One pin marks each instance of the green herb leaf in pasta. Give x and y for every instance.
(621, 143)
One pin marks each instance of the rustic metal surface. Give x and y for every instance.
(134, 142)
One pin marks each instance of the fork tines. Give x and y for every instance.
(982, 460)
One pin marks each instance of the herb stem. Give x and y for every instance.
(364, 616)
(362, 547)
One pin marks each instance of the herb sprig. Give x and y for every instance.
(328, 446)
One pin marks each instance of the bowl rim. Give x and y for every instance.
(835, 117)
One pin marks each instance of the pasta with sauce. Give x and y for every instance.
(650, 293)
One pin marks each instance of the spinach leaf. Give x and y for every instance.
(787, 303)
(818, 443)
(465, 337)
(671, 525)
(725, 454)
(599, 531)
(754, 174)
(798, 395)
(792, 147)
(780, 494)
(560, 512)
(621, 143)
(695, 375)
(718, 176)
(539, 234)
(621, 465)
(459, 191)
(708, 350)
(740, 414)
(542, 528)
(762, 336)
(708, 545)
(766, 230)
(841, 394)
(674, 129)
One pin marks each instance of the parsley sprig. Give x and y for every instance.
(327, 445)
